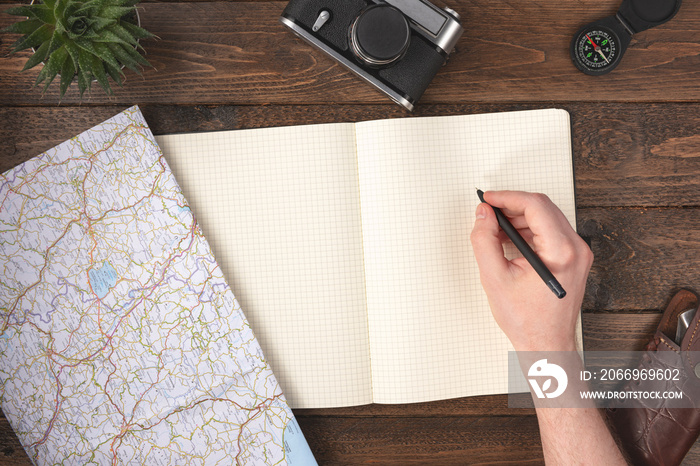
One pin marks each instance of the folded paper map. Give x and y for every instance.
(120, 341)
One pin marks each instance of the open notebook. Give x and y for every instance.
(348, 245)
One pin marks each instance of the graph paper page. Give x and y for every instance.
(280, 208)
(432, 335)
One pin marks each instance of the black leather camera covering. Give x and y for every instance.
(343, 12)
(414, 72)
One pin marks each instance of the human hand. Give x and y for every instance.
(532, 317)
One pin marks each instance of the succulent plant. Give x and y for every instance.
(83, 39)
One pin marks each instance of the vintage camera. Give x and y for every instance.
(396, 45)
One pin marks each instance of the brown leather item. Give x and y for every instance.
(652, 432)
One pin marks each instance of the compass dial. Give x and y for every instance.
(596, 51)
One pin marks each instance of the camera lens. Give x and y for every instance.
(380, 35)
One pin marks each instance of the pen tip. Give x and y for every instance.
(480, 193)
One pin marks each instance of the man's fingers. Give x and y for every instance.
(511, 203)
(532, 210)
(526, 233)
(486, 243)
(518, 222)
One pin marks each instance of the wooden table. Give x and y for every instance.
(636, 143)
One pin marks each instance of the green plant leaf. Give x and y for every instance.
(91, 7)
(73, 51)
(41, 12)
(50, 3)
(123, 34)
(38, 57)
(83, 82)
(106, 55)
(85, 62)
(52, 67)
(55, 43)
(124, 58)
(35, 39)
(59, 13)
(36, 11)
(115, 73)
(135, 55)
(122, 2)
(85, 70)
(98, 70)
(23, 27)
(108, 37)
(25, 11)
(62, 24)
(67, 76)
(97, 24)
(86, 45)
(90, 35)
(136, 31)
(71, 8)
(115, 12)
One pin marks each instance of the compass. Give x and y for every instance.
(598, 47)
(596, 50)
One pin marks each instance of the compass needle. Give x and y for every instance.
(591, 41)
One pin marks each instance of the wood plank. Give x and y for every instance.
(618, 331)
(11, 451)
(625, 154)
(642, 255)
(511, 52)
(444, 441)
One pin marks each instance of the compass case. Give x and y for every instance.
(641, 15)
(633, 16)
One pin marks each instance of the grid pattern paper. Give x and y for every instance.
(432, 335)
(280, 208)
(340, 240)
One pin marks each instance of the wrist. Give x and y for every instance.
(568, 344)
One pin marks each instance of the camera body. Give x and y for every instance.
(396, 45)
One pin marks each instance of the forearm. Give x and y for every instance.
(577, 436)
(572, 429)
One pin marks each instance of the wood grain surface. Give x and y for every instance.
(636, 144)
(510, 52)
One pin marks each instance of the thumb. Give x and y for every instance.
(486, 243)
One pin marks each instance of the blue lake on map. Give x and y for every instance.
(102, 279)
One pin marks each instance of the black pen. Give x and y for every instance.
(526, 250)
